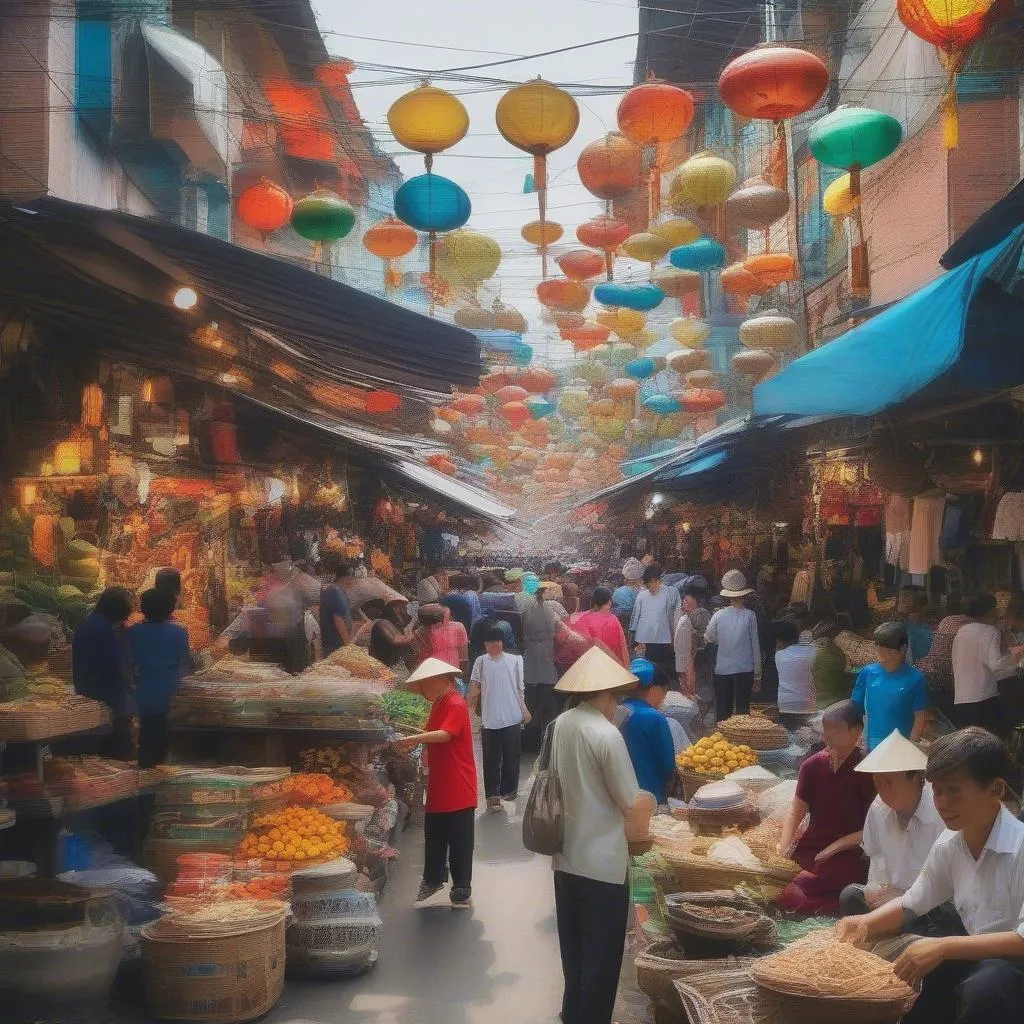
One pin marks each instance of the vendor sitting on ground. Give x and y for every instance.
(901, 828)
(978, 864)
(837, 799)
(646, 731)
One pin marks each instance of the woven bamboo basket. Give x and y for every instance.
(805, 1009)
(705, 819)
(25, 724)
(769, 711)
(774, 737)
(220, 980)
(692, 781)
(325, 879)
(658, 966)
(745, 928)
(698, 874)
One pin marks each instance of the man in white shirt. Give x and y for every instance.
(496, 687)
(653, 623)
(978, 864)
(901, 828)
(794, 662)
(738, 661)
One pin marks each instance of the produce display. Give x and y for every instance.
(755, 730)
(714, 755)
(348, 763)
(316, 790)
(295, 835)
(405, 708)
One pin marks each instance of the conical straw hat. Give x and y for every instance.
(595, 672)
(431, 669)
(894, 754)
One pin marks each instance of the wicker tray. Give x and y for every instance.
(31, 723)
(808, 1009)
(715, 819)
(698, 874)
(692, 781)
(774, 737)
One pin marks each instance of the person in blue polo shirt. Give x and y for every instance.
(646, 731)
(891, 694)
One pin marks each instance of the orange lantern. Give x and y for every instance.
(381, 403)
(564, 295)
(497, 379)
(605, 234)
(508, 318)
(541, 232)
(443, 464)
(450, 416)
(701, 400)
(516, 413)
(580, 264)
(622, 388)
(654, 114)
(537, 381)
(772, 268)
(471, 405)
(586, 336)
(738, 281)
(510, 393)
(390, 240)
(610, 168)
(264, 207)
(563, 321)
(952, 27)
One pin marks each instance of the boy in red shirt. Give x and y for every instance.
(449, 822)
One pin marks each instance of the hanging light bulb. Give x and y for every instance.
(977, 456)
(185, 298)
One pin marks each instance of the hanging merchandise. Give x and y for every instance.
(690, 331)
(475, 318)
(661, 405)
(756, 206)
(688, 359)
(639, 297)
(542, 233)
(737, 281)
(772, 268)
(610, 168)
(264, 207)
(685, 285)
(428, 120)
(586, 336)
(952, 27)
(654, 115)
(473, 257)
(754, 362)
(702, 401)
(605, 234)
(774, 82)
(838, 200)
(322, 217)
(559, 293)
(701, 256)
(390, 240)
(508, 318)
(676, 231)
(538, 118)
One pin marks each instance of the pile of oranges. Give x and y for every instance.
(316, 789)
(296, 835)
(714, 755)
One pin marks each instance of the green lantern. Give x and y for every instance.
(854, 138)
(322, 216)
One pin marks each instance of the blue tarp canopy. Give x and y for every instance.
(961, 329)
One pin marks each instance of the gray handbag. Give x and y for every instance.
(544, 817)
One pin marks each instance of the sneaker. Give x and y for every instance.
(426, 891)
(461, 899)
(493, 804)
(511, 798)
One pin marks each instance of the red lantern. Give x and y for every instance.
(381, 403)
(579, 264)
(390, 239)
(497, 379)
(701, 400)
(537, 380)
(773, 82)
(654, 114)
(564, 295)
(606, 234)
(471, 405)
(510, 393)
(516, 413)
(586, 336)
(610, 167)
(264, 207)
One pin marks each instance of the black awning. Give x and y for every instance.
(991, 228)
(334, 330)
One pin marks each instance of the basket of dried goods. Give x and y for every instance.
(658, 966)
(39, 718)
(711, 759)
(715, 921)
(728, 863)
(818, 978)
(324, 879)
(754, 731)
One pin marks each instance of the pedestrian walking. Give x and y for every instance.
(601, 801)
(498, 691)
(653, 622)
(449, 821)
(738, 660)
(540, 622)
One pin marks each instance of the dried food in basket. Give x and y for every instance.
(754, 731)
(316, 789)
(715, 756)
(360, 664)
(221, 918)
(295, 834)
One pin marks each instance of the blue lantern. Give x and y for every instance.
(608, 293)
(522, 354)
(703, 255)
(640, 369)
(662, 405)
(641, 297)
(539, 407)
(429, 202)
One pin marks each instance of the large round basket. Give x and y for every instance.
(772, 737)
(221, 979)
(691, 873)
(658, 966)
(692, 781)
(714, 819)
(813, 1009)
(686, 922)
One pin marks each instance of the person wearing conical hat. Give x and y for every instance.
(449, 821)
(901, 827)
(602, 805)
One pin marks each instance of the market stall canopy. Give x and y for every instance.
(958, 333)
(55, 253)
(990, 229)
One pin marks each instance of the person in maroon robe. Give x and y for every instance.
(837, 799)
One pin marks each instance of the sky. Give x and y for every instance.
(439, 34)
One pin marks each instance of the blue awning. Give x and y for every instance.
(905, 348)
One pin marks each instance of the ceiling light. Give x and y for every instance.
(977, 456)
(185, 298)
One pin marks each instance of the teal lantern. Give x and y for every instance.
(432, 203)
(854, 138)
(522, 354)
(640, 369)
(702, 256)
(662, 405)
(539, 407)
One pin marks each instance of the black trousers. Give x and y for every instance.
(592, 937)
(501, 750)
(664, 657)
(152, 740)
(448, 840)
(733, 692)
(986, 713)
(986, 992)
(541, 703)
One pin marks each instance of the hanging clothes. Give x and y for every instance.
(925, 526)
(897, 531)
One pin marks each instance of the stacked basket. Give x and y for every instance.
(336, 927)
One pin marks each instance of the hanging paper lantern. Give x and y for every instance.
(771, 330)
(640, 369)
(701, 400)
(688, 359)
(641, 339)
(605, 234)
(772, 268)
(754, 362)
(322, 216)
(610, 167)
(508, 318)
(622, 388)
(854, 138)
(474, 318)
(541, 233)
(428, 120)
(537, 380)
(678, 283)
(564, 295)
(497, 379)
(655, 114)
(620, 353)
(701, 379)
(703, 180)
(432, 203)
(381, 403)
(676, 231)
(573, 401)
(640, 297)
(690, 331)
(470, 405)
(661, 405)
(838, 200)
(390, 239)
(474, 256)
(586, 336)
(602, 407)
(538, 118)
(646, 247)
(952, 27)
(510, 393)
(264, 207)
(773, 82)
(737, 281)
(581, 264)
(703, 256)
(756, 207)
(516, 413)
(539, 407)
(522, 354)
(622, 321)
(443, 464)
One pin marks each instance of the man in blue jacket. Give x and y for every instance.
(646, 731)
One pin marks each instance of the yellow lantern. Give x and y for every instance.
(646, 247)
(677, 231)
(677, 284)
(67, 457)
(690, 331)
(703, 180)
(474, 256)
(839, 199)
(642, 339)
(622, 321)
(541, 233)
(538, 118)
(771, 330)
(428, 120)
